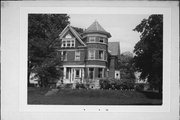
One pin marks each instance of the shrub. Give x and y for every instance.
(69, 85)
(139, 86)
(80, 86)
(104, 84)
(116, 84)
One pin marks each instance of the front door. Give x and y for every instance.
(91, 73)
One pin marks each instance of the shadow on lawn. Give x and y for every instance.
(152, 95)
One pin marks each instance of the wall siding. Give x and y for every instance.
(95, 62)
(97, 46)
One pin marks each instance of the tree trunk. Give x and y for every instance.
(28, 79)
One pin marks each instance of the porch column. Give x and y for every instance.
(71, 75)
(65, 73)
(74, 71)
(103, 73)
(82, 75)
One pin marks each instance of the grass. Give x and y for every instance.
(92, 97)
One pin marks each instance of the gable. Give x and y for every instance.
(70, 33)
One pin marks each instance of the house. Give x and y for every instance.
(88, 56)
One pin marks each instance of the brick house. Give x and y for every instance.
(88, 56)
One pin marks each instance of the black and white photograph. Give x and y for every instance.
(95, 59)
(64, 60)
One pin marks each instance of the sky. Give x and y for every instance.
(120, 26)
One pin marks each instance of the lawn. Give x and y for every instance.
(92, 97)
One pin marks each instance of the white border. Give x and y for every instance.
(95, 10)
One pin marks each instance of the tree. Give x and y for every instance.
(79, 30)
(43, 31)
(148, 51)
(126, 66)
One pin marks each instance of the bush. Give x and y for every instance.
(140, 86)
(116, 84)
(69, 85)
(104, 84)
(81, 86)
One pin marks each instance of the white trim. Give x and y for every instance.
(74, 66)
(96, 66)
(63, 32)
(97, 43)
(73, 31)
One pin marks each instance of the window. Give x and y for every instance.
(63, 43)
(73, 43)
(77, 73)
(92, 39)
(101, 39)
(101, 54)
(68, 43)
(100, 72)
(91, 54)
(68, 36)
(63, 56)
(105, 56)
(77, 55)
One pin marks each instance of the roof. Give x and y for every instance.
(96, 27)
(114, 48)
(76, 34)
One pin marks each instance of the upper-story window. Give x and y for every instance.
(101, 40)
(105, 56)
(63, 56)
(68, 43)
(92, 39)
(77, 55)
(101, 54)
(91, 54)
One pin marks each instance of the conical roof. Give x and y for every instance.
(95, 27)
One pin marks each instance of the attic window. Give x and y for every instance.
(68, 36)
(68, 43)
